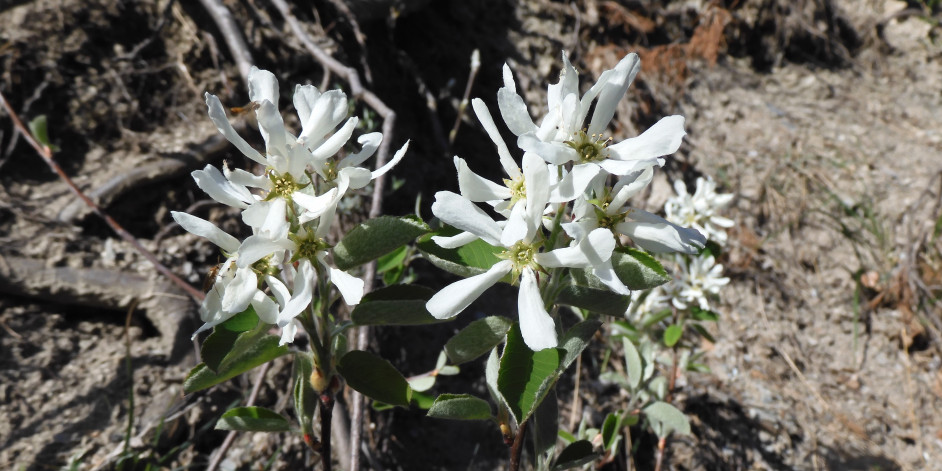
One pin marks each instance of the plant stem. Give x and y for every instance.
(327, 411)
(661, 445)
(517, 448)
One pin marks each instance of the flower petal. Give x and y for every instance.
(455, 297)
(461, 213)
(553, 152)
(204, 228)
(370, 143)
(477, 188)
(574, 183)
(657, 235)
(455, 241)
(336, 141)
(211, 180)
(592, 250)
(484, 116)
(218, 115)
(536, 325)
(240, 291)
(512, 107)
(263, 86)
(303, 292)
(517, 227)
(266, 309)
(611, 91)
(536, 178)
(392, 163)
(662, 139)
(350, 287)
(255, 248)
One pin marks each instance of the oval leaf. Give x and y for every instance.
(478, 338)
(375, 378)
(638, 270)
(460, 407)
(575, 455)
(672, 335)
(525, 376)
(253, 419)
(376, 237)
(632, 363)
(601, 301)
(666, 418)
(576, 340)
(395, 305)
(237, 362)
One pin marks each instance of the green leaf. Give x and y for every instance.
(672, 335)
(460, 407)
(576, 339)
(392, 260)
(666, 418)
(703, 314)
(421, 383)
(38, 127)
(654, 318)
(468, 260)
(638, 270)
(702, 331)
(575, 455)
(224, 343)
(375, 378)
(478, 338)
(525, 376)
(305, 397)
(243, 321)
(395, 305)
(601, 301)
(238, 361)
(610, 431)
(422, 400)
(633, 364)
(253, 419)
(376, 237)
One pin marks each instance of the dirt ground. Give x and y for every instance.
(823, 116)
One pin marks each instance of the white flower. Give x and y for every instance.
(522, 261)
(700, 210)
(562, 136)
(695, 282)
(649, 231)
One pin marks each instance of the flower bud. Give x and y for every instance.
(318, 381)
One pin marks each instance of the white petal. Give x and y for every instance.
(612, 91)
(592, 250)
(662, 139)
(204, 228)
(266, 309)
(303, 292)
(476, 188)
(211, 312)
(241, 177)
(314, 205)
(626, 188)
(606, 274)
(288, 332)
(536, 178)
(392, 163)
(514, 111)
(552, 152)
(370, 143)
(627, 167)
(517, 227)
(327, 112)
(272, 128)
(484, 116)
(350, 287)
(220, 189)
(255, 248)
(275, 225)
(218, 115)
(657, 235)
(304, 98)
(536, 325)
(281, 292)
(354, 178)
(574, 183)
(240, 291)
(455, 241)
(263, 86)
(335, 142)
(455, 297)
(457, 211)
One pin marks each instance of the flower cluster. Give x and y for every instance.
(696, 279)
(289, 206)
(570, 172)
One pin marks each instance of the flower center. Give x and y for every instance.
(521, 256)
(518, 189)
(282, 186)
(308, 246)
(590, 148)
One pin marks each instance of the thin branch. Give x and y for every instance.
(475, 66)
(46, 153)
(220, 452)
(230, 33)
(517, 448)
